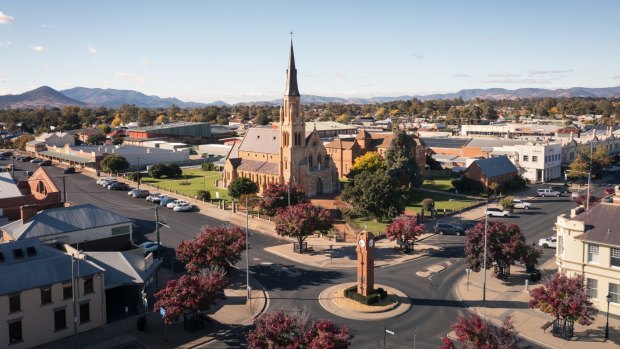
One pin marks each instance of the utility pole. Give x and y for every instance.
(64, 190)
(138, 171)
(590, 175)
(247, 247)
(484, 261)
(157, 229)
(73, 291)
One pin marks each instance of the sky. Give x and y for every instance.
(236, 51)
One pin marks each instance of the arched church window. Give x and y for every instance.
(310, 162)
(41, 188)
(319, 160)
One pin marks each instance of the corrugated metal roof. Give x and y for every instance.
(258, 166)
(495, 166)
(601, 224)
(261, 140)
(69, 157)
(63, 220)
(8, 188)
(438, 142)
(122, 268)
(47, 267)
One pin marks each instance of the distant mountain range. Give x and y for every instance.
(81, 96)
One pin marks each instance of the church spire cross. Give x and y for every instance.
(291, 74)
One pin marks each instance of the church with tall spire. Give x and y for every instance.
(286, 154)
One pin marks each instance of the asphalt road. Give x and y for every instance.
(294, 288)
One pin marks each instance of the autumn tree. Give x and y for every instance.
(301, 220)
(212, 247)
(114, 163)
(405, 229)
(241, 186)
(278, 330)
(20, 142)
(376, 194)
(565, 298)
(474, 332)
(369, 162)
(276, 196)
(117, 121)
(580, 167)
(505, 245)
(190, 293)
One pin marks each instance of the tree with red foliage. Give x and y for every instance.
(276, 196)
(473, 332)
(505, 245)
(566, 298)
(302, 220)
(276, 330)
(405, 229)
(190, 293)
(212, 247)
(581, 200)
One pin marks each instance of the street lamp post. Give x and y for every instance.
(484, 261)
(607, 324)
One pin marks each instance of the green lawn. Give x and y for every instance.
(193, 179)
(375, 227)
(438, 184)
(442, 201)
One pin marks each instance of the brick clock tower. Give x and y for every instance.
(365, 263)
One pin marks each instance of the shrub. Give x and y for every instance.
(351, 293)
(209, 166)
(165, 170)
(203, 195)
(133, 176)
(185, 183)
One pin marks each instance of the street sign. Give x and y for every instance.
(390, 332)
(162, 311)
(467, 271)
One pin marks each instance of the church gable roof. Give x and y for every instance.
(261, 140)
(262, 167)
(340, 144)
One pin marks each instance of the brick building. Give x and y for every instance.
(498, 170)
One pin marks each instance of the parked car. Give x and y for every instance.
(101, 180)
(172, 204)
(550, 242)
(68, 170)
(496, 212)
(36, 161)
(45, 163)
(118, 186)
(609, 191)
(152, 197)
(163, 200)
(449, 228)
(577, 193)
(561, 190)
(149, 246)
(5, 157)
(469, 225)
(106, 183)
(521, 204)
(616, 187)
(548, 192)
(183, 207)
(612, 169)
(138, 193)
(26, 158)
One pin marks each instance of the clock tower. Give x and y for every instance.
(365, 263)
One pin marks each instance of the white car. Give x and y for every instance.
(105, 182)
(183, 207)
(496, 212)
(101, 180)
(149, 246)
(152, 197)
(550, 242)
(521, 204)
(176, 202)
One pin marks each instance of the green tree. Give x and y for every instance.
(506, 202)
(241, 186)
(371, 161)
(376, 194)
(580, 167)
(97, 138)
(399, 158)
(114, 163)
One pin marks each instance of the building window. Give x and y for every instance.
(614, 292)
(60, 320)
(526, 158)
(18, 253)
(67, 291)
(592, 285)
(88, 286)
(615, 257)
(15, 303)
(15, 332)
(84, 313)
(592, 253)
(46, 295)
(534, 158)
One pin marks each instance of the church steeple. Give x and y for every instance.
(291, 75)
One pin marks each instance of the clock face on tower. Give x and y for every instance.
(362, 243)
(371, 243)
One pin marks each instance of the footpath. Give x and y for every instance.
(510, 298)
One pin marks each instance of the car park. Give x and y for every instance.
(550, 242)
(184, 207)
(449, 228)
(172, 204)
(496, 212)
(68, 170)
(521, 204)
(118, 186)
(149, 246)
(547, 192)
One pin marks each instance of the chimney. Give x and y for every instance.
(27, 212)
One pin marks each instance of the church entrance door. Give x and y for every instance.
(319, 186)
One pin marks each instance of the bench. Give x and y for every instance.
(546, 325)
